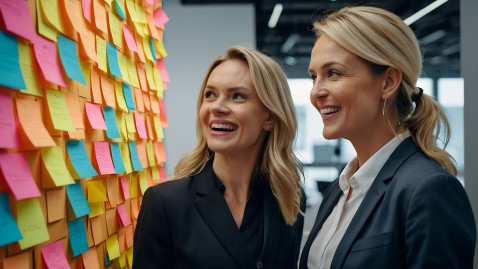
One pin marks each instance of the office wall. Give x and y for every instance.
(195, 36)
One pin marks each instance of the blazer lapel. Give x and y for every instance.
(328, 204)
(372, 198)
(272, 228)
(213, 208)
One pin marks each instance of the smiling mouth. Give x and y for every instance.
(222, 127)
(329, 111)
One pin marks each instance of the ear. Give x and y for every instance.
(268, 124)
(392, 80)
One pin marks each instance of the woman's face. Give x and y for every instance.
(345, 92)
(233, 118)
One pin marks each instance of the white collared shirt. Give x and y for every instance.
(359, 179)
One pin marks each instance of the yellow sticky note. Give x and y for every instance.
(132, 10)
(155, 173)
(150, 153)
(50, 13)
(133, 183)
(122, 260)
(139, 29)
(96, 209)
(129, 256)
(101, 54)
(158, 127)
(29, 71)
(56, 166)
(132, 72)
(140, 13)
(120, 96)
(96, 191)
(121, 126)
(31, 223)
(122, 62)
(129, 122)
(157, 79)
(43, 28)
(59, 113)
(124, 148)
(147, 49)
(158, 44)
(143, 180)
(116, 29)
(150, 77)
(112, 247)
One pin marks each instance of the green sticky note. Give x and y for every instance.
(31, 223)
(56, 166)
(60, 116)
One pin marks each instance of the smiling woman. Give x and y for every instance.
(235, 200)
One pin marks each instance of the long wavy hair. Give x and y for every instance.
(382, 39)
(277, 160)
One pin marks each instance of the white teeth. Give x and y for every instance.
(223, 126)
(329, 110)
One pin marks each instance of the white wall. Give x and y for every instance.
(194, 36)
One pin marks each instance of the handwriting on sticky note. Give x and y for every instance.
(17, 174)
(48, 59)
(9, 231)
(93, 113)
(107, 88)
(69, 59)
(117, 159)
(110, 121)
(30, 116)
(115, 29)
(55, 164)
(58, 108)
(103, 158)
(99, 11)
(77, 199)
(77, 234)
(9, 62)
(31, 222)
(112, 55)
(79, 159)
(29, 70)
(54, 255)
(134, 156)
(101, 53)
(128, 96)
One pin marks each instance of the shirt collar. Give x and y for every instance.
(361, 178)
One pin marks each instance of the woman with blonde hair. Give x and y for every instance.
(397, 204)
(235, 199)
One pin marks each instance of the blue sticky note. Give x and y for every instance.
(69, 59)
(77, 233)
(117, 160)
(134, 156)
(128, 96)
(77, 199)
(10, 72)
(153, 49)
(112, 55)
(119, 11)
(9, 231)
(110, 120)
(79, 158)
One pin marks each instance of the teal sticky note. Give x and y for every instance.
(79, 159)
(10, 72)
(119, 11)
(9, 231)
(110, 120)
(77, 233)
(153, 49)
(117, 159)
(77, 199)
(112, 55)
(69, 59)
(128, 96)
(134, 156)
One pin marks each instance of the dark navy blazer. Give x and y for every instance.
(415, 215)
(186, 223)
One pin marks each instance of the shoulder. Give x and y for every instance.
(173, 189)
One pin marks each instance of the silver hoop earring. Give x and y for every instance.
(383, 108)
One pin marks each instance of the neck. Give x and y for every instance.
(367, 145)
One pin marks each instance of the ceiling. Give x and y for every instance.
(438, 32)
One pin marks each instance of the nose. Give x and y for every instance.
(319, 91)
(220, 106)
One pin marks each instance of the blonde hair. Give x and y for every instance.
(277, 159)
(382, 39)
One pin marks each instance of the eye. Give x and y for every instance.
(333, 73)
(313, 78)
(239, 96)
(209, 94)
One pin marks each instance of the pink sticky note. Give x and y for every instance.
(18, 176)
(17, 18)
(48, 59)
(103, 158)
(162, 173)
(128, 36)
(140, 127)
(54, 255)
(8, 128)
(124, 187)
(93, 112)
(162, 70)
(124, 219)
(160, 18)
(86, 4)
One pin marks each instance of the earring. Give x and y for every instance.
(383, 108)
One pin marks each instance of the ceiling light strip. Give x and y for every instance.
(424, 11)
(275, 15)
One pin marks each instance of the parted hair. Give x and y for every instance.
(382, 39)
(276, 160)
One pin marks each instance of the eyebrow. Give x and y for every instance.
(232, 89)
(327, 65)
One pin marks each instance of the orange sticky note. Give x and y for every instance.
(56, 205)
(93, 113)
(73, 10)
(107, 88)
(152, 26)
(20, 261)
(140, 52)
(142, 77)
(147, 102)
(74, 109)
(154, 104)
(87, 45)
(160, 152)
(162, 114)
(95, 86)
(129, 234)
(30, 116)
(143, 158)
(138, 94)
(99, 11)
(90, 259)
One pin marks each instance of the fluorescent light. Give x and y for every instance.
(433, 37)
(275, 15)
(424, 11)
(289, 43)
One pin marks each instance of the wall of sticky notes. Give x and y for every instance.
(81, 128)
